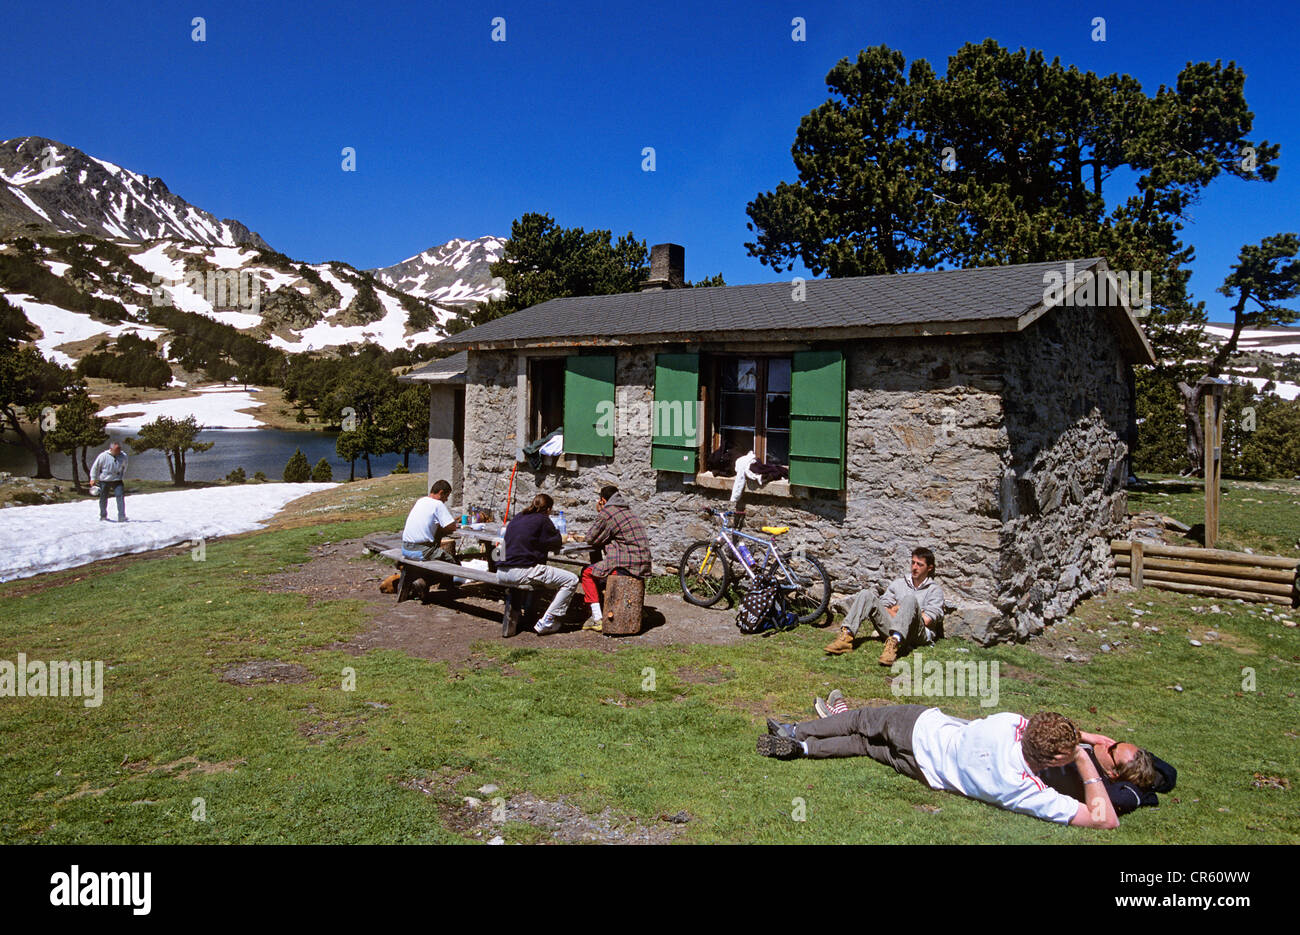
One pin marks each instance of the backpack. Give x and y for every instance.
(762, 608)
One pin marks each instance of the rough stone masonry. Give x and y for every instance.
(1004, 453)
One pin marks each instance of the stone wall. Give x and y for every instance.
(929, 452)
(1062, 492)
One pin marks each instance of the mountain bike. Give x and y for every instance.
(706, 568)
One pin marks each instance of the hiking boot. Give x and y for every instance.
(783, 748)
(777, 729)
(419, 589)
(820, 706)
(842, 643)
(835, 702)
(890, 652)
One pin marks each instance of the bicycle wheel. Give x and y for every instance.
(810, 594)
(704, 573)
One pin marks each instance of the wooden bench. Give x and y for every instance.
(518, 598)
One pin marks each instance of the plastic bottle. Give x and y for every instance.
(745, 554)
(560, 523)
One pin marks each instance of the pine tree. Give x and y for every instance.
(297, 471)
(322, 473)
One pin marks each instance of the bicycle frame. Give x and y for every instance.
(725, 537)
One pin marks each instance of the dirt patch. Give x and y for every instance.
(320, 729)
(188, 766)
(713, 675)
(257, 671)
(451, 623)
(1007, 671)
(562, 822)
(1271, 782)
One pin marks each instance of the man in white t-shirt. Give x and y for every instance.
(427, 523)
(995, 759)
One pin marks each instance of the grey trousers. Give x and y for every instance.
(884, 734)
(544, 576)
(909, 621)
(119, 489)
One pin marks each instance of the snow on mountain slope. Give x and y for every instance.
(57, 187)
(291, 305)
(455, 273)
(60, 326)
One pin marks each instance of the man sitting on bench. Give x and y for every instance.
(426, 525)
(528, 537)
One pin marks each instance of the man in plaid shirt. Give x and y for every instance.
(626, 548)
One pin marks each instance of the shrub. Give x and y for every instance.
(400, 469)
(297, 471)
(322, 473)
(260, 477)
(237, 476)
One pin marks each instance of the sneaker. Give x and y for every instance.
(820, 706)
(783, 748)
(835, 702)
(547, 625)
(842, 643)
(777, 729)
(596, 626)
(890, 652)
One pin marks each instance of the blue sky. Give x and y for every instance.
(457, 135)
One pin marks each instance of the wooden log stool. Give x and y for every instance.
(623, 604)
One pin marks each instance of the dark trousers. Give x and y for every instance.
(884, 734)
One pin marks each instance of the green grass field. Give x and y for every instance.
(632, 736)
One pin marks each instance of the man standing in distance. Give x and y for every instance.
(109, 472)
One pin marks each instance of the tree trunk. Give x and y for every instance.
(368, 474)
(406, 459)
(352, 470)
(84, 465)
(42, 463)
(76, 480)
(180, 466)
(1195, 433)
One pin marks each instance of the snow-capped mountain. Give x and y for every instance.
(455, 273)
(48, 186)
(79, 289)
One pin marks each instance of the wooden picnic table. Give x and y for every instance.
(571, 553)
(518, 598)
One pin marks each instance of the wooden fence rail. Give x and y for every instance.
(1213, 572)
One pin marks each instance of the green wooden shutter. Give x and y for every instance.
(589, 422)
(817, 419)
(675, 417)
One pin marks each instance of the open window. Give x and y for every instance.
(749, 406)
(574, 395)
(545, 396)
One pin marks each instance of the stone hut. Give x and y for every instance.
(985, 413)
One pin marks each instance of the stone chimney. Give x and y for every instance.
(667, 268)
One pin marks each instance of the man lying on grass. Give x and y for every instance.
(996, 759)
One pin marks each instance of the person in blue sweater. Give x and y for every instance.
(529, 536)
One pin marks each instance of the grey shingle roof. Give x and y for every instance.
(948, 297)
(444, 370)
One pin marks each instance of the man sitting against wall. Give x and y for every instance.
(906, 615)
(626, 548)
